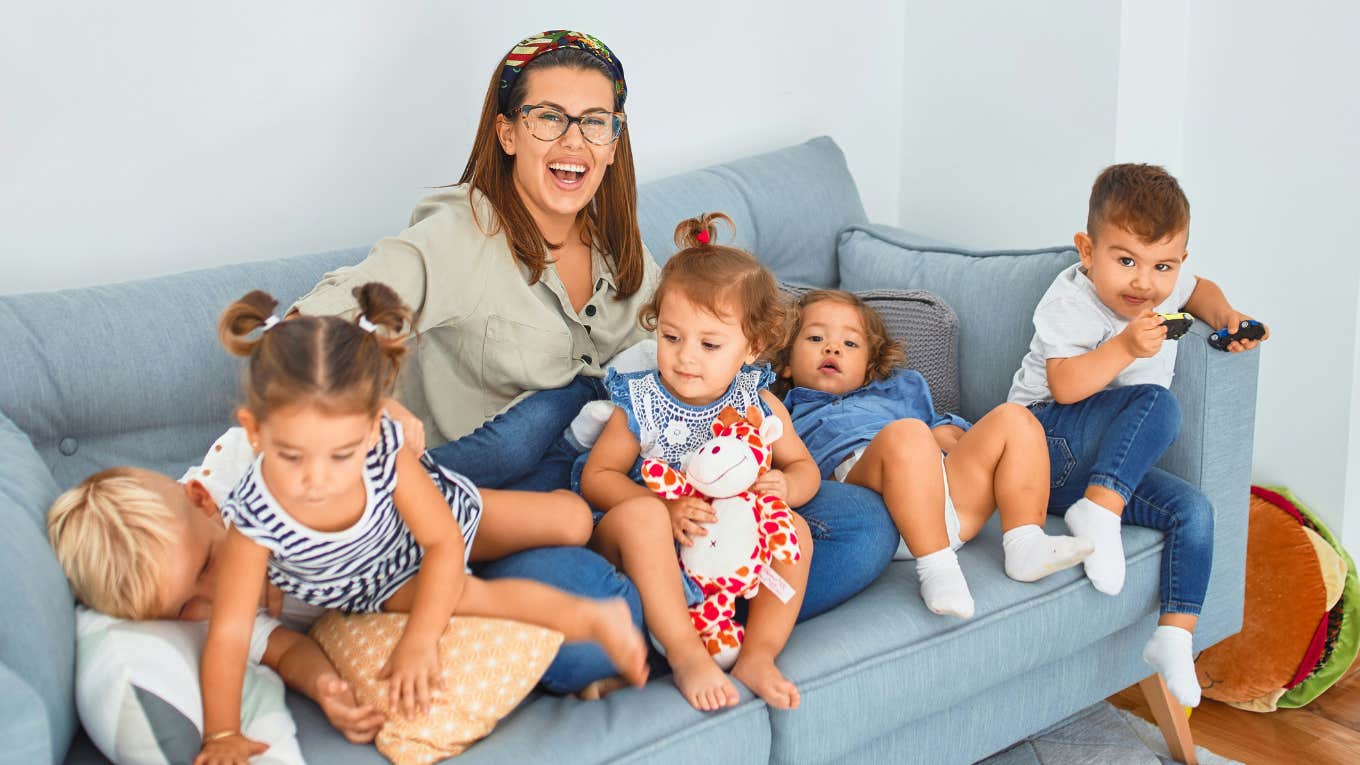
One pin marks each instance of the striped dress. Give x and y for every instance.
(355, 569)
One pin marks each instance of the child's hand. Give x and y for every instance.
(230, 750)
(773, 482)
(358, 722)
(688, 516)
(1144, 335)
(412, 429)
(413, 672)
(1233, 321)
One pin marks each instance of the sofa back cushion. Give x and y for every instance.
(133, 373)
(787, 205)
(993, 292)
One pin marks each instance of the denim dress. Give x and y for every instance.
(833, 426)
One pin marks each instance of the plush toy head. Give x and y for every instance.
(736, 456)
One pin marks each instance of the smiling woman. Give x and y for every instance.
(525, 278)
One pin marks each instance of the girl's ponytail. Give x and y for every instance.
(383, 309)
(700, 232)
(246, 315)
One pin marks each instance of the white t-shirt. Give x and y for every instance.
(1071, 320)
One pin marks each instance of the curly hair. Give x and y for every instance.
(885, 352)
(720, 279)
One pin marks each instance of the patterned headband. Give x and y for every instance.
(531, 47)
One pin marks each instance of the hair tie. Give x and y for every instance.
(269, 322)
(367, 325)
(702, 237)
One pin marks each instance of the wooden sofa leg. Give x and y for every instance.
(1170, 717)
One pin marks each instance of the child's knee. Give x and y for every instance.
(1195, 517)
(577, 523)
(906, 437)
(1164, 407)
(1016, 419)
(639, 515)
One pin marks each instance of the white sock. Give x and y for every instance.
(1032, 555)
(1171, 653)
(943, 587)
(1105, 565)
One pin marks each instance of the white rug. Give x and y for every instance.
(1098, 734)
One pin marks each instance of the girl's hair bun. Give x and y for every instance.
(700, 232)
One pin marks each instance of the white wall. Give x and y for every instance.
(1008, 113)
(1272, 153)
(152, 137)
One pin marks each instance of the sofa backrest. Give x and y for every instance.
(132, 373)
(787, 205)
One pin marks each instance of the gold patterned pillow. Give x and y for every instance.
(488, 667)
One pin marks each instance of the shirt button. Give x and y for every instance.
(585, 358)
(68, 446)
(590, 310)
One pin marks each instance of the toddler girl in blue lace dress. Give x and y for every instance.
(715, 310)
(336, 513)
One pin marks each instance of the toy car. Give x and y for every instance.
(1177, 324)
(1247, 330)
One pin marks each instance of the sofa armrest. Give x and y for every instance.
(1217, 394)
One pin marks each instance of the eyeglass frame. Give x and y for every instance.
(620, 119)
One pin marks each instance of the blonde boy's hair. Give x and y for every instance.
(109, 533)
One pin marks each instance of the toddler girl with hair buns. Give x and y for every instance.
(336, 513)
(715, 311)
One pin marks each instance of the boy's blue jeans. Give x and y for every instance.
(1113, 439)
(524, 449)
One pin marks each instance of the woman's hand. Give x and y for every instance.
(774, 482)
(413, 672)
(358, 722)
(230, 750)
(688, 516)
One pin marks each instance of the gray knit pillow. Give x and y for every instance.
(928, 330)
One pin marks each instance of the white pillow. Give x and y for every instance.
(137, 691)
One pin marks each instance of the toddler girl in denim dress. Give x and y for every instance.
(868, 423)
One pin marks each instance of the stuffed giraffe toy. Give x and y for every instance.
(751, 531)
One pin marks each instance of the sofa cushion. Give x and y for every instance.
(98, 376)
(652, 724)
(884, 645)
(929, 332)
(788, 206)
(36, 670)
(993, 333)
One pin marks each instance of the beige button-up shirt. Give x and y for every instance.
(486, 337)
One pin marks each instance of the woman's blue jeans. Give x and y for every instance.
(1113, 439)
(524, 448)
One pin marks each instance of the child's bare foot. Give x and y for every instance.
(601, 688)
(765, 680)
(701, 681)
(611, 625)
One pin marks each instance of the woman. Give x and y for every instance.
(525, 278)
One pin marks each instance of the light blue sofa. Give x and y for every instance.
(132, 373)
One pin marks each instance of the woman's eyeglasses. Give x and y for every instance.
(548, 123)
